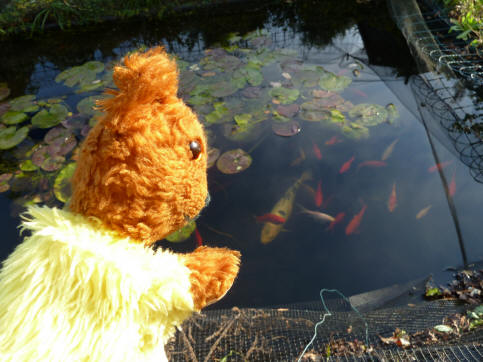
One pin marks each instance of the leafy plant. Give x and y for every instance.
(61, 11)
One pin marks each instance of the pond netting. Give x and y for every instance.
(448, 91)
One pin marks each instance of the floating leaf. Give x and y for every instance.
(314, 112)
(49, 118)
(286, 129)
(28, 166)
(336, 116)
(62, 185)
(243, 120)
(182, 234)
(4, 107)
(83, 75)
(4, 91)
(234, 161)
(4, 178)
(306, 78)
(284, 95)
(443, 328)
(332, 82)
(432, 292)
(60, 140)
(223, 89)
(287, 111)
(75, 122)
(14, 117)
(47, 161)
(355, 131)
(220, 113)
(10, 137)
(87, 106)
(252, 92)
(213, 154)
(369, 114)
(392, 113)
(24, 104)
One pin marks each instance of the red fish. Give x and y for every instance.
(392, 202)
(332, 141)
(319, 197)
(439, 166)
(374, 163)
(317, 152)
(452, 186)
(272, 218)
(338, 218)
(198, 238)
(355, 222)
(346, 165)
(359, 92)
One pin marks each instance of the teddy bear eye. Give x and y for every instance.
(195, 148)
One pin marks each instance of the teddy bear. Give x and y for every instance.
(85, 284)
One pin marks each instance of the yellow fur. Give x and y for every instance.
(74, 291)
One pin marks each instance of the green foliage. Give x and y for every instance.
(467, 19)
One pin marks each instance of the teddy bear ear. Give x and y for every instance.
(147, 76)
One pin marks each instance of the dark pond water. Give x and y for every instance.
(301, 70)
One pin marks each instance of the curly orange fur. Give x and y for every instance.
(213, 271)
(135, 171)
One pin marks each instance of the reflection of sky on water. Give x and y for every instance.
(389, 247)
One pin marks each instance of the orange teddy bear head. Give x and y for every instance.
(142, 168)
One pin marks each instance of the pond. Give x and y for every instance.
(293, 90)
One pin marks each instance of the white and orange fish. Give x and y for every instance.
(392, 202)
(423, 212)
(388, 151)
(439, 166)
(317, 215)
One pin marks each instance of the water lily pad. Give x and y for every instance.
(87, 106)
(47, 161)
(369, 114)
(60, 140)
(213, 154)
(284, 95)
(392, 113)
(219, 114)
(234, 161)
(219, 60)
(331, 82)
(182, 234)
(4, 107)
(314, 112)
(11, 136)
(251, 72)
(28, 166)
(4, 91)
(83, 75)
(252, 92)
(286, 129)
(223, 89)
(306, 78)
(49, 118)
(4, 178)
(14, 117)
(287, 111)
(62, 184)
(24, 104)
(355, 131)
(75, 122)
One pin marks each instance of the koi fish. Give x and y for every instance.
(355, 222)
(388, 151)
(359, 92)
(272, 218)
(439, 166)
(332, 141)
(282, 208)
(338, 218)
(422, 213)
(317, 152)
(317, 215)
(372, 163)
(346, 165)
(452, 186)
(299, 159)
(392, 202)
(198, 238)
(318, 195)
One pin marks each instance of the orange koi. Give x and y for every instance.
(452, 186)
(338, 218)
(317, 152)
(271, 218)
(388, 151)
(317, 215)
(372, 163)
(355, 222)
(319, 197)
(198, 238)
(332, 141)
(299, 159)
(422, 213)
(392, 202)
(359, 92)
(439, 166)
(346, 165)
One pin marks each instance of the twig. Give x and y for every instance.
(191, 352)
(224, 332)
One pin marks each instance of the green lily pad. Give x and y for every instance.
(287, 111)
(284, 95)
(213, 154)
(11, 136)
(369, 114)
(337, 117)
(24, 104)
(60, 140)
(182, 234)
(49, 118)
(286, 129)
(314, 111)
(234, 161)
(87, 106)
(306, 78)
(4, 178)
(4, 107)
(252, 92)
(392, 113)
(83, 75)
(250, 72)
(47, 161)
(219, 115)
(243, 120)
(355, 131)
(223, 89)
(219, 60)
(62, 184)
(14, 117)
(28, 166)
(331, 82)
(4, 91)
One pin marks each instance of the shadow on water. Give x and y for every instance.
(289, 43)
